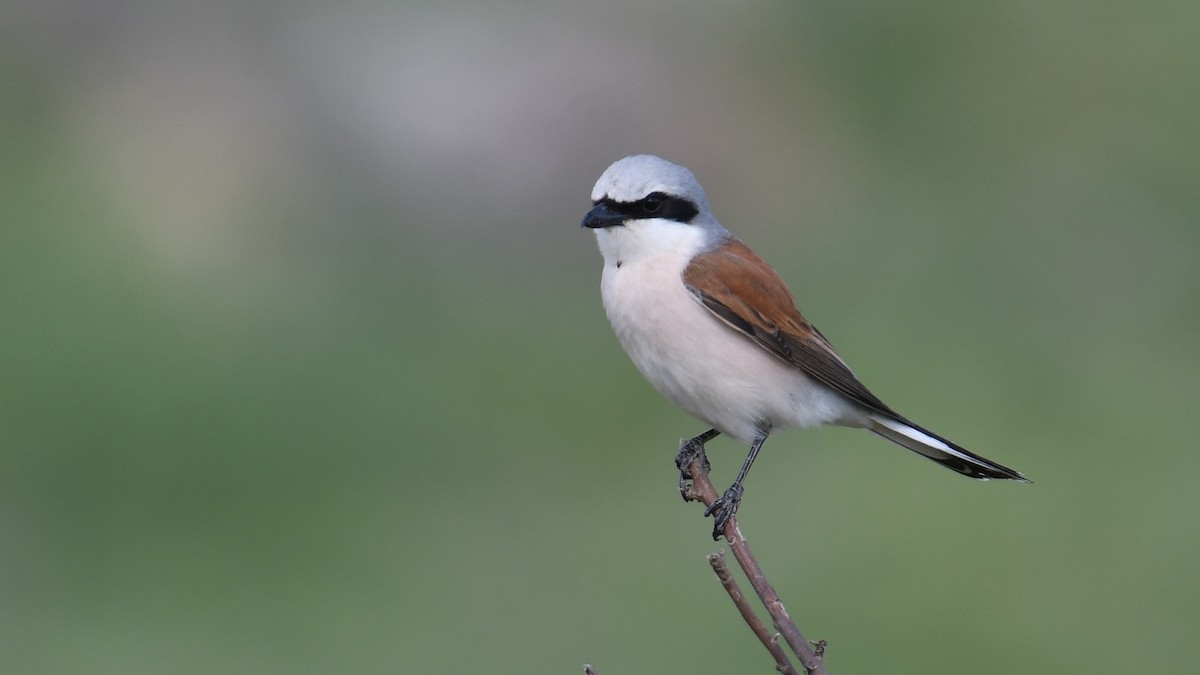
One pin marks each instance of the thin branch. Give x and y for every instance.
(782, 663)
(702, 489)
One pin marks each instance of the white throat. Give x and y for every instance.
(648, 239)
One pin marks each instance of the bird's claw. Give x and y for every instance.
(689, 451)
(724, 508)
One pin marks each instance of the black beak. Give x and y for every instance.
(601, 216)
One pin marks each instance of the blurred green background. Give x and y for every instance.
(303, 367)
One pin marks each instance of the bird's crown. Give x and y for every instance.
(638, 176)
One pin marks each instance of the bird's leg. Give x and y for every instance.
(724, 507)
(688, 452)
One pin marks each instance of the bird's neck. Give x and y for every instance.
(644, 241)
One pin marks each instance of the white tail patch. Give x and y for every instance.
(940, 450)
(912, 433)
(918, 437)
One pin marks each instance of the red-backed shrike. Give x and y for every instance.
(715, 330)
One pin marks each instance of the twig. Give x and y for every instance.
(782, 663)
(702, 489)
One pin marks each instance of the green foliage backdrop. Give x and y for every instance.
(303, 367)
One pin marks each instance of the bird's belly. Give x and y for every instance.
(704, 366)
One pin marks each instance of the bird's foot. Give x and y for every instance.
(689, 452)
(724, 508)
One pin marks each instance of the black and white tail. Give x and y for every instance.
(940, 450)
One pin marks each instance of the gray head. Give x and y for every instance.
(643, 205)
(645, 186)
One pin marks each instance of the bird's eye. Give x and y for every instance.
(652, 203)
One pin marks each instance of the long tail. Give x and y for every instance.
(940, 450)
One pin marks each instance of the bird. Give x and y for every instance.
(716, 331)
